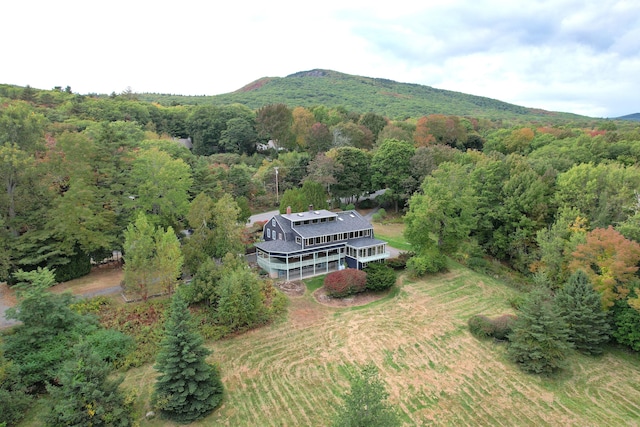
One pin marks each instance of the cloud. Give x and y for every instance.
(569, 55)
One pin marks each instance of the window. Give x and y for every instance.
(298, 240)
(268, 233)
(273, 222)
(279, 236)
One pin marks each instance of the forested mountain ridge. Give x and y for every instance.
(381, 96)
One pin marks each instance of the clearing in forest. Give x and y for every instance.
(294, 371)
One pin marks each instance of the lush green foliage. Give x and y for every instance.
(379, 276)
(85, 395)
(333, 89)
(539, 341)
(152, 257)
(365, 405)
(345, 282)
(581, 308)
(42, 342)
(188, 388)
(14, 400)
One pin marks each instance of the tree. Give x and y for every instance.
(374, 122)
(303, 121)
(354, 178)
(323, 169)
(365, 405)
(274, 121)
(49, 328)
(390, 168)
(14, 400)
(240, 302)
(581, 308)
(557, 242)
(161, 186)
(444, 215)
(539, 341)
(319, 138)
(152, 256)
(188, 388)
(21, 135)
(611, 262)
(239, 137)
(86, 396)
(299, 199)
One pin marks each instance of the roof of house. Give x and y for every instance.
(364, 242)
(344, 222)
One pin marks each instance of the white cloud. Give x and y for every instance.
(577, 56)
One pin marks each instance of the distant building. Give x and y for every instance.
(305, 244)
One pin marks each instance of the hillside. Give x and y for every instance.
(363, 94)
(632, 117)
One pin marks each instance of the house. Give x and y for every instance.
(305, 244)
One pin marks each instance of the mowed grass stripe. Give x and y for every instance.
(294, 372)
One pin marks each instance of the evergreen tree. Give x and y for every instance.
(188, 388)
(365, 405)
(87, 397)
(581, 308)
(539, 341)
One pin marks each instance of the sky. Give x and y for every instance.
(573, 56)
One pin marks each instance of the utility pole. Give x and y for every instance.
(277, 194)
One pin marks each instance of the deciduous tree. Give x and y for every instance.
(611, 262)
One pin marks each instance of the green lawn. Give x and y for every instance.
(294, 371)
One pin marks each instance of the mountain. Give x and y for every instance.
(363, 94)
(633, 117)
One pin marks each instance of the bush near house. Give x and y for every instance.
(346, 282)
(379, 276)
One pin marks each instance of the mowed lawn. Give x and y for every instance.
(292, 373)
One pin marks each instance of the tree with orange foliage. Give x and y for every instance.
(610, 261)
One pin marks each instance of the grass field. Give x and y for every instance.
(392, 234)
(292, 373)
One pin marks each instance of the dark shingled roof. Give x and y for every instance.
(344, 223)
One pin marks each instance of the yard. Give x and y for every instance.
(293, 372)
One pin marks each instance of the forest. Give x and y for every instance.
(549, 202)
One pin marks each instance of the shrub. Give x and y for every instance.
(379, 216)
(503, 325)
(349, 207)
(345, 282)
(497, 327)
(427, 263)
(379, 276)
(480, 326)
(111, 345)
(400, 262)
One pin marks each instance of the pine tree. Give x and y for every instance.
(539, 341)
(87, 397)
(365, 405)
(581, 308)
(188, 388)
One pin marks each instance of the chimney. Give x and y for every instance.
(288, 210)
(310, 208)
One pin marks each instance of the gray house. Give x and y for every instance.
(305, 244)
